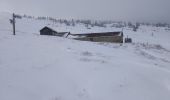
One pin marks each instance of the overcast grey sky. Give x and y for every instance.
(148, 10)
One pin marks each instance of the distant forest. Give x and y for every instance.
(91, 23)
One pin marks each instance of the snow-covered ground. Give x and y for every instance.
(34, 67)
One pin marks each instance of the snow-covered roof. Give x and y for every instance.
(53, 29)
(83, 30)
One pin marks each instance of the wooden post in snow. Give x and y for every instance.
(13, 23)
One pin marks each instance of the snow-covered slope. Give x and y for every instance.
(34, 67)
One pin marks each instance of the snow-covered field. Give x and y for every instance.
(34, 67)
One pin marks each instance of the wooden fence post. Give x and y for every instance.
(13, 24)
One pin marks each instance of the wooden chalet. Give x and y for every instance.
(49, 31)
(116, 37)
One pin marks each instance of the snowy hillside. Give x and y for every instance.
(34, 67)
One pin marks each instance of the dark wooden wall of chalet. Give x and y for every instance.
(46, 32)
